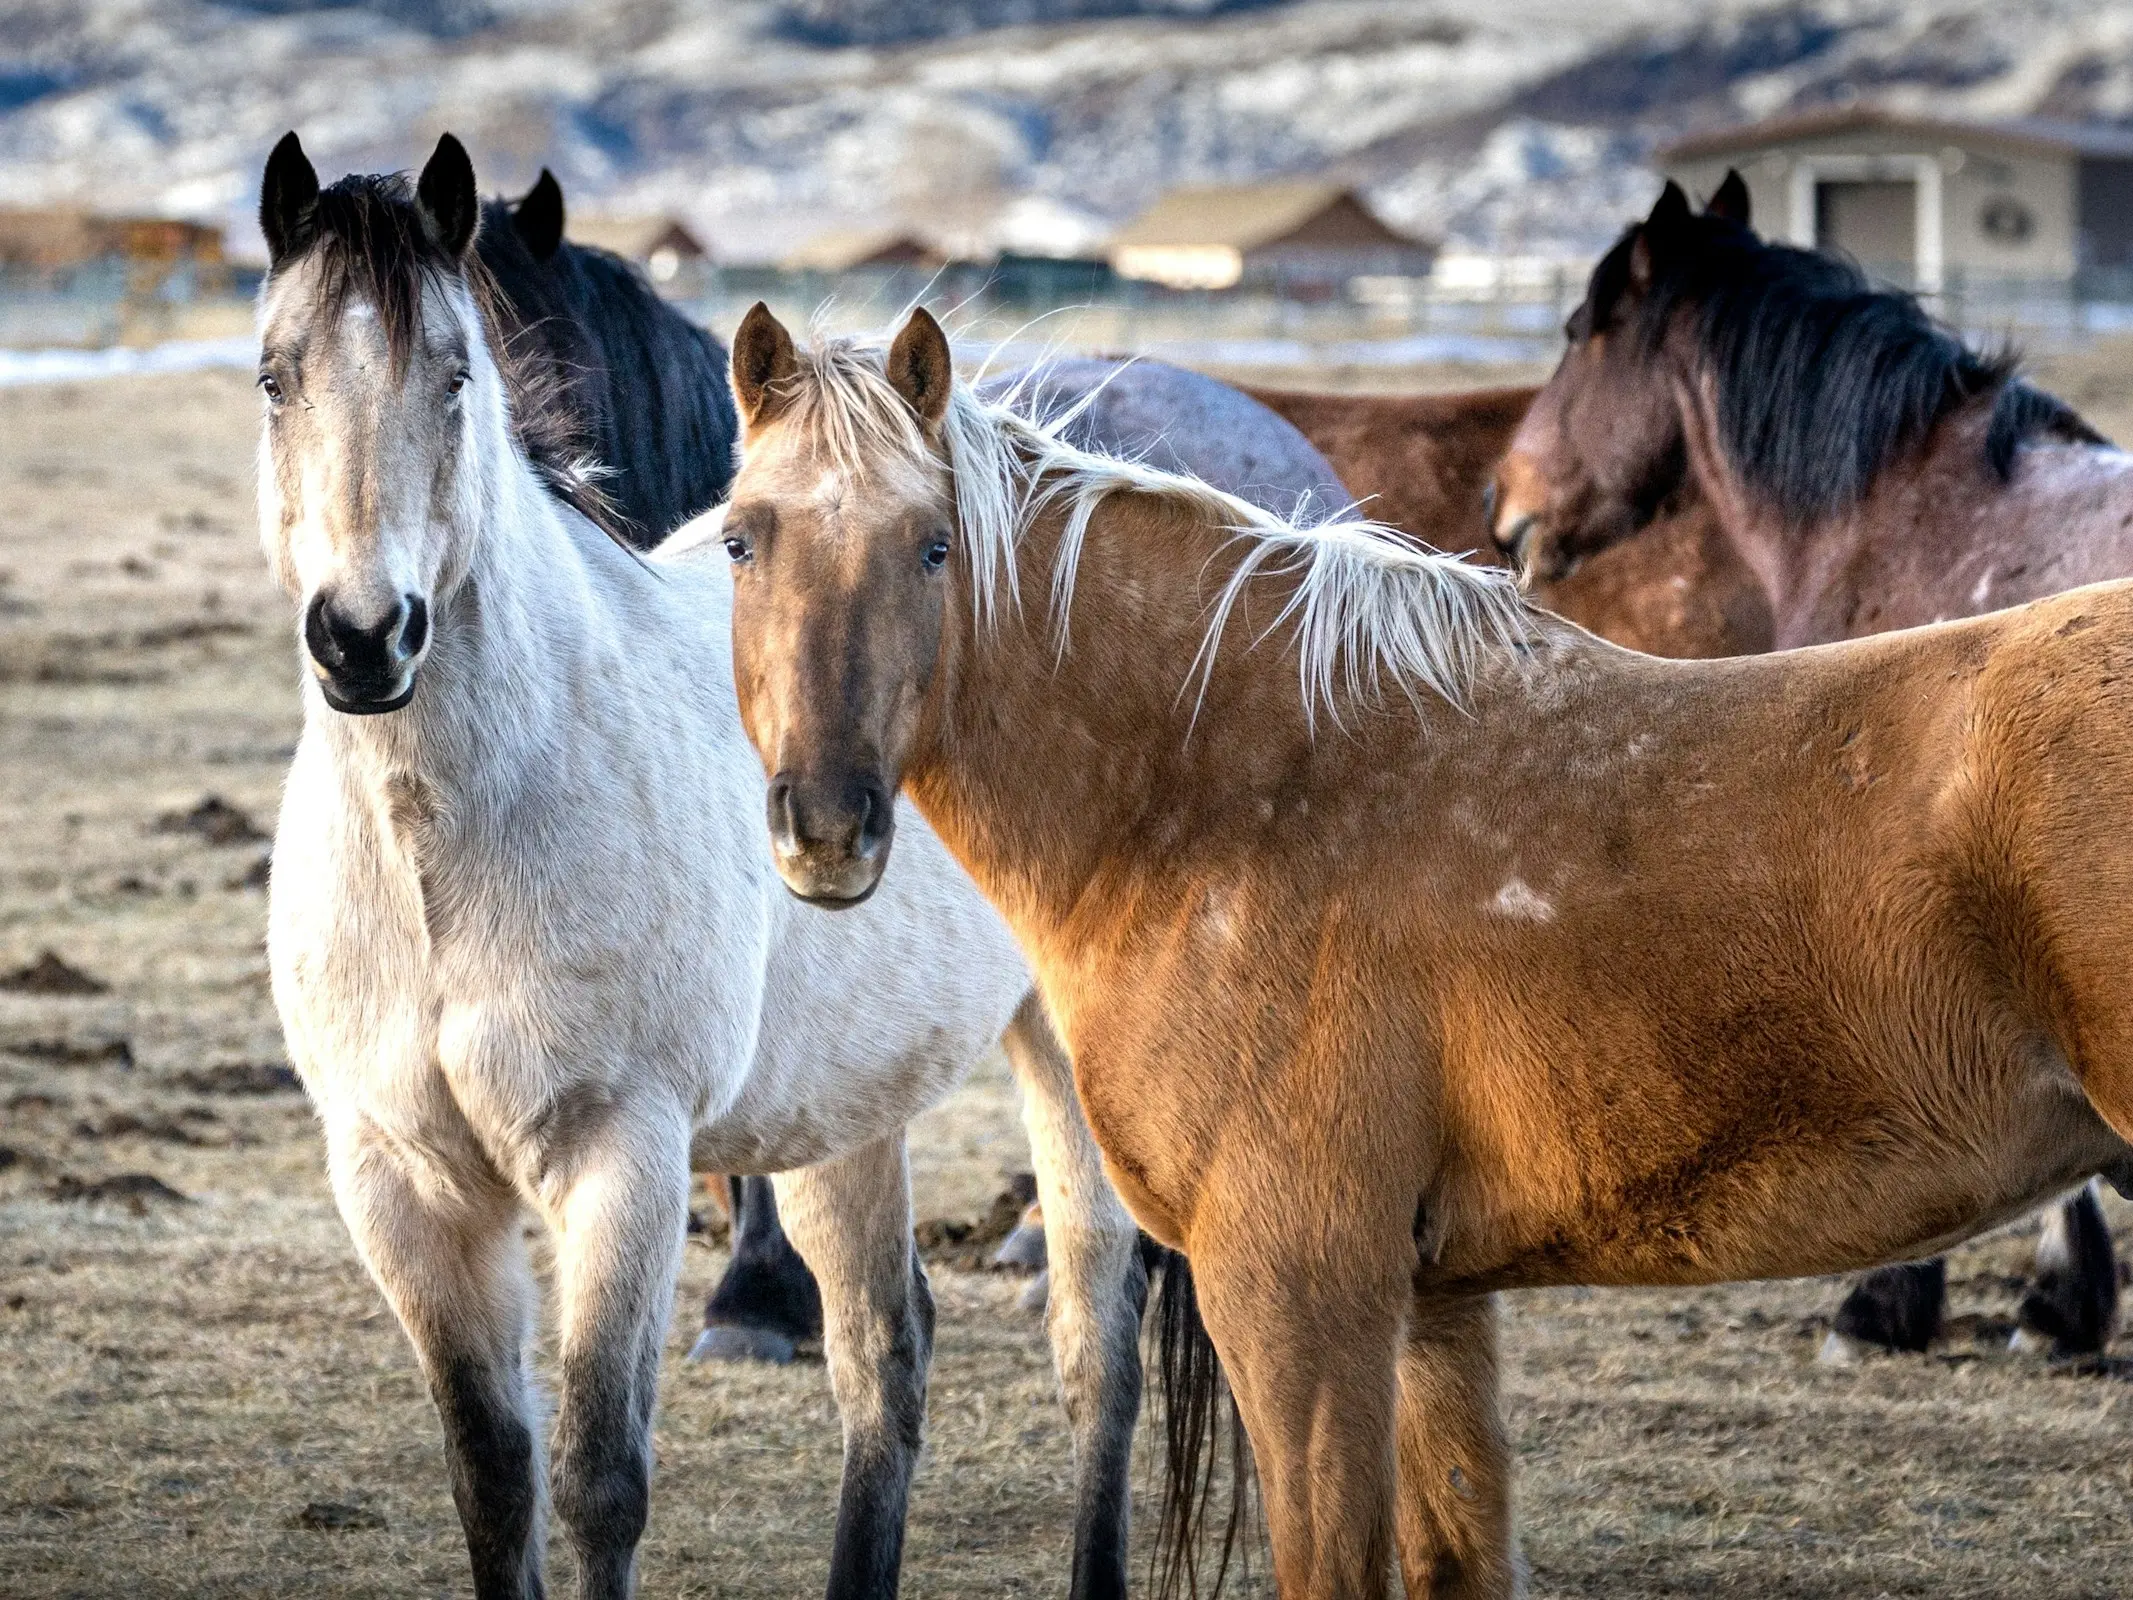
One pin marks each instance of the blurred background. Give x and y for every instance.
(1341, 184)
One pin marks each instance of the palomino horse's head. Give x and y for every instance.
(379, 384)
(841, 528)
(1602, 448)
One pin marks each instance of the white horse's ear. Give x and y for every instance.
(919, 366)
(288, 201)
(764, 365)
(446, 197)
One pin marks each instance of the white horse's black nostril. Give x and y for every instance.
(415, 632)
(364, 665)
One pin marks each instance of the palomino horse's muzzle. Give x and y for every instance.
(830, 839)
(364, 668)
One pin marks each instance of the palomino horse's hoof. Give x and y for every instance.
(729, 1343)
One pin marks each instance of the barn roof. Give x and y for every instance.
(2036, 134)
(1242, 216)
(635, 238)
(842, 249)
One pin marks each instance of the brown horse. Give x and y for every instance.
(1413, 945)
(1425, 464)
(1869, 470)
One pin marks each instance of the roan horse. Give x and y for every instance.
(1872, 473)
(526, 954)
(1412, 945)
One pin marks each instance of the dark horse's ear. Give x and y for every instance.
(1670, 216)
(1730, 203)
(539, 217)
(763, 364)
(288, 201)
(445, 196)
(919, 366)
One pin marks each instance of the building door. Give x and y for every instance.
(1875, 222)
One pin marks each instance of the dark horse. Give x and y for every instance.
(1872, 472)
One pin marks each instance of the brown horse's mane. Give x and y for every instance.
(371, 245)
(1822, 378)
(1368, 603)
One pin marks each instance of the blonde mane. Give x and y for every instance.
(1368, 605)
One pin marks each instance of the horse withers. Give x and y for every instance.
(1871, 472)
(1411, 944)
(522, 967)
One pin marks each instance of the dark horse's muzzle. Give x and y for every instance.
(366, 667)
(830, 837)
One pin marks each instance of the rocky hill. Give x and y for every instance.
(1509, 124)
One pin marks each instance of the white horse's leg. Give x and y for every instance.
(851, 1222)
(446, 1248)
(1098, 1287)
(620, 1214)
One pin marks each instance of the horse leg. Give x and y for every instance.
(2075, 1300)
(851, 1219)
(1454, 1519)
(619, 1209)
(1093, 1308)
(1308, 1329)
(446, 1249)
(1891, 1308)
(766, 1302)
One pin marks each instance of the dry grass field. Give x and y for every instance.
(184, 1377)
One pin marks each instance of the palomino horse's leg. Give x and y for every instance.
(1093, 1310)
(2071, 1308)
(1454, 1522)
(851, 1219)
(1307, 1321)
(447, 1250)
(619, 1213)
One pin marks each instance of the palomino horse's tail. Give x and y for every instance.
(1197, 1410)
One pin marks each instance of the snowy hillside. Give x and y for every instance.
(1519, 124)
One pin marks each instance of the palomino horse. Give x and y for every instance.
(526, 954)
(1412, 945)
(1872, 473)
(1426, 464)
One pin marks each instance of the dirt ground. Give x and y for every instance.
(185, 1377)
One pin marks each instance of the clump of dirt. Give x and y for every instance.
(155, 1125)
(133, 1190)
(337, 1516)
(256, 876)
(109, 1052)
(215, 820)
(242, 1078)
(50, 974)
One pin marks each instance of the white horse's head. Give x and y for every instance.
(386, 421)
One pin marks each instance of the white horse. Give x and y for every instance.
(525, 960)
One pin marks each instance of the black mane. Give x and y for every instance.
(1822, 379)
(647, 387)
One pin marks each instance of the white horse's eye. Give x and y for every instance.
(270, 386)
(459, 381)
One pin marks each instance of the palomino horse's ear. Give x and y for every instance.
(538, 219)
(763, 364)
(919, 366)
(288, 201)
(1730, 203)
(445, 196)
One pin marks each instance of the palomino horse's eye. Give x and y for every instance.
(936, 555)
(737, 548)
(270, 386)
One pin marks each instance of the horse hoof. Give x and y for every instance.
(1841, 1350)
(1024, 1248)
(725, 1342)
(2029, 1342)
(1037, 1294)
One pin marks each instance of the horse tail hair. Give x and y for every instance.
(1198, 1409)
